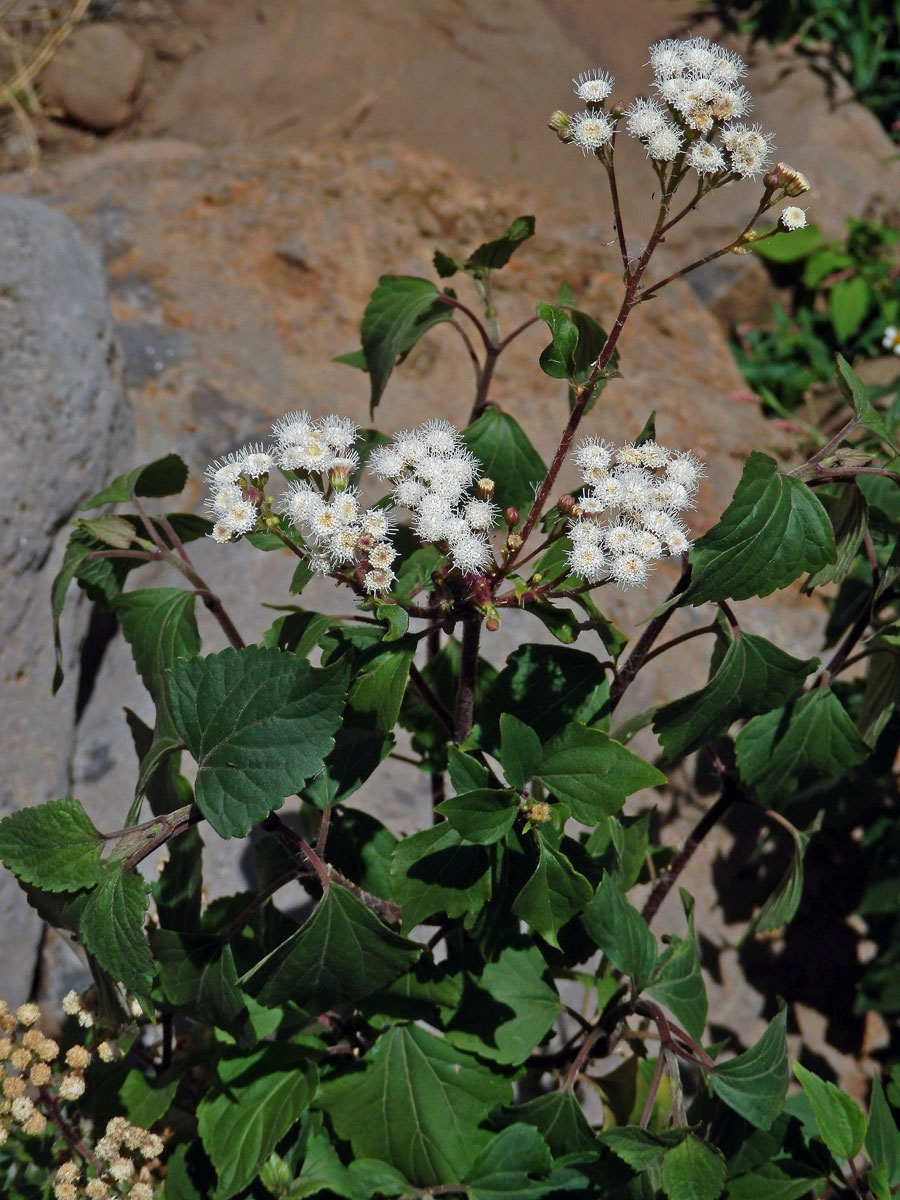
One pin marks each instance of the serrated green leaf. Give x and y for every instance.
(781, 906)
(401, 309)
(418, 1104)
(112, 928)
(163, 477)
(621, 933)
(484, 816)
(882, 1135)
(755, 1083)
(397, 620)
(258, 723)
(876, 1180)
(882, 687)
(562, 622)
(435, 871)
(753, 676)
(506, 456)
(507, 1165)
(259, 1098)
(773, 531)
(198, 976)
(520, 750)
(839, 1119)
(855, 392)
(506, 1010)
(638, 1147)
(813, 738)
(693, 1170)
(298, 631)
(591, 773)
(558, 359)
(491, 256)
(560, 1120)
(554, 894)
(52, 845)
(112, 531)
(341, 954)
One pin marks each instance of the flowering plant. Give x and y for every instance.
(479, 1007)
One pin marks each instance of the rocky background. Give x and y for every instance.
(219, 186)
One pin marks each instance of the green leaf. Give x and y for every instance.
(484, 816)
(160, 627)
(855, 392)
(162, 477)
(882, 1135)
(507, 1164)
(678, 983)
(591, 340)
(849, 515)
(621, 933)
(882, 688)
(755, 1083)
(112, 928)
(353, 358)
(553, 895)
(52, 845)
(298, 631)
(520, 750)
(560, 1120)
(435, 871)
(509, 1008)
(753, 676)
(839, 1119)
(491, 256)
(258, 723)
(401, 309)
(258, 1099)
(506, 456)
(848, 302)
(418, 1104)
(781, 906)
(640, 1149)
(198, 976)
(339, 955)
(813, 738)
(467, 774)
(790, 245)
(593, 774)
(146, 1103)
(770, 1182)
(773, 531)
(693, 1170)
(558, 359)
(397, 620)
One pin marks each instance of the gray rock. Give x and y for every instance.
(64, 421)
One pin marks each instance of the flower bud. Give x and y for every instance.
(514, 541)
(559, 123)
(511, 517)
(566, 504)
(793, 182)
(485, 488)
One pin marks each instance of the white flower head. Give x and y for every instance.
(240, 518)
(749, 147)
(666, 58)
(590, 131)
(793, 217)
(593, 87)
(223, 498)
(339, 433)
(386, 462)
(382, 554)
(593, 453)
(587, 560)
(224, 470)
(705, 158)
(441, 437)
(379, 579)
(591, 506)
(409, 493)
(470, 553)
(481, 514)
(293, 427)
(686, 469)
(590, 532)
(644, 118)
(342, 547)
(664, 144)
(629, 455)
(377, 523)
(653, 455)
(311, 454)
(726, 66)
(300, 503)
(629, 570)
(345, 506)
(618, 536)
(698, 55)
(891, 339)
(256, 461)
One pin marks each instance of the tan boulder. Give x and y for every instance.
(94, 78)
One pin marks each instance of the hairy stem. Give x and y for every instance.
(468, 675)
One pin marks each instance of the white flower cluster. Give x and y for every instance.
(891, 339)
(648, 485)
(432, 473)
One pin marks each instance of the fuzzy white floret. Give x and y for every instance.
(590, 131)
(240, 518)
(629, 570)
(386, 462)
(311, 454)
(663, 146)
(378, 523)
(342, 547)
(382, 554)
(379, 579)
(481, 514)
(345, 506)
(224, 498)
(293, 427)
(339, 433)
(300, 503)
(686, 469)
(609, 490)
(593, 87)
(618, 537)
(647, 545)
(644, 117)
(440, 437)
(470, 553)
(793, 217)
(409, 493)
(588, 561)
(224, 470)
(586, 532)
(705, 158)
(592, 453)
(653, 455)
(256, 461)
(666, 58)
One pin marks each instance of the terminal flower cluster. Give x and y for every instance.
(648, 486)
